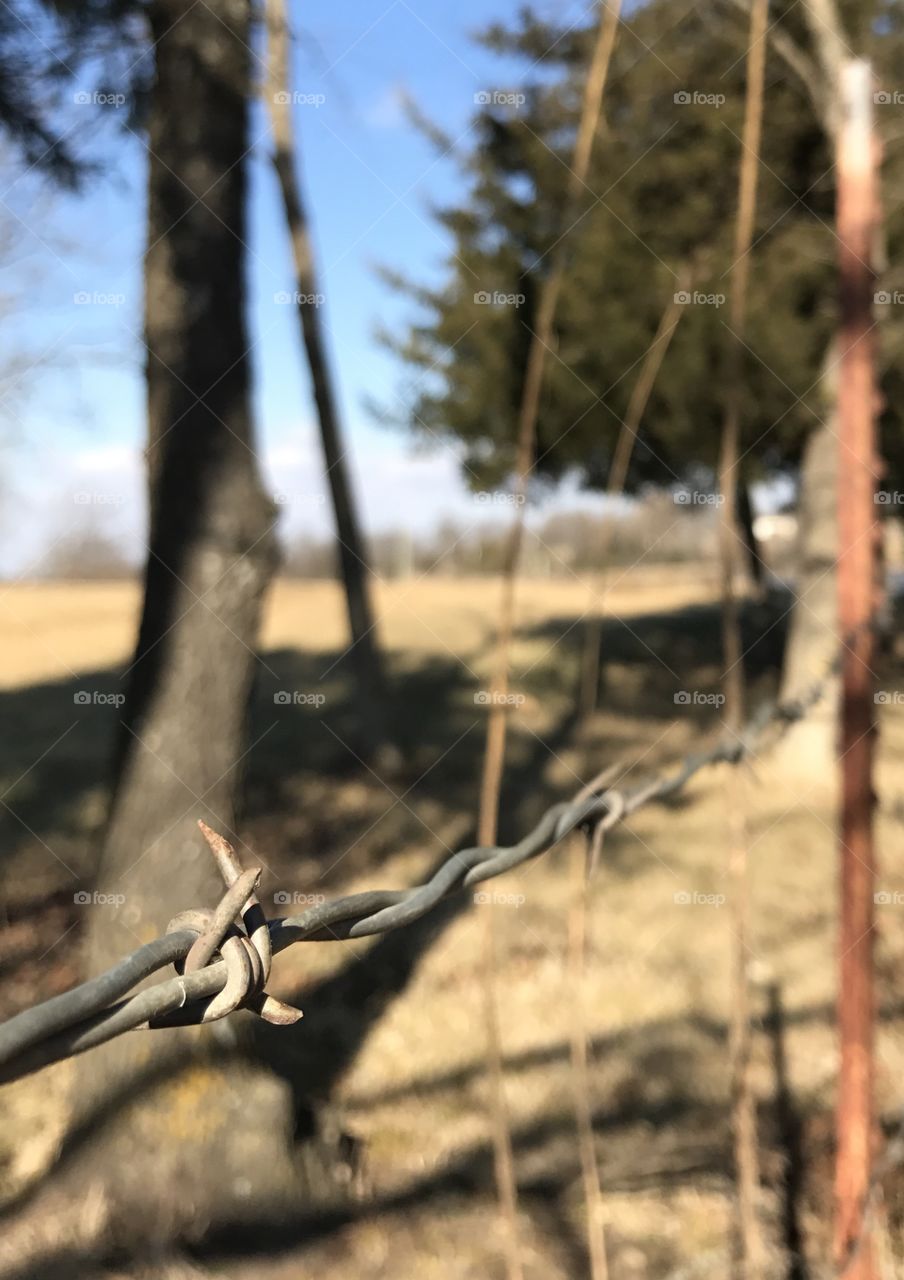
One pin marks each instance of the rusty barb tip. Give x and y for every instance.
(219, 844)
(248, 954)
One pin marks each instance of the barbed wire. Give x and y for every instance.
(207, 988)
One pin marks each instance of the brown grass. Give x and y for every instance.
(657, 983)
(50, 630)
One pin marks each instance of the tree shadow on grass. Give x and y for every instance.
(298, 740)
(546, 1154)
(665, 1130)
(348, 1004)
(649, 660)
(55, 767)
(303, 721)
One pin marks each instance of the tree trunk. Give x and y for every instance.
(211, 554)
(753, 560)
(809, 749)
(812, 644)
(364, 649)
(211, 545)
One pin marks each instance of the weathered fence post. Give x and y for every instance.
(857, 221)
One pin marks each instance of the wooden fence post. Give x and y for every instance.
(857, 222)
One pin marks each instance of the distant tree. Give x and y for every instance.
(51, 49)
(87, 554)
(661, 196)
(661, 190)
(26, 111)
(307, 557)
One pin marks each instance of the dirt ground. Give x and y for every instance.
(411, 1100)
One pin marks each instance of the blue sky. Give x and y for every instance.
(75, 426)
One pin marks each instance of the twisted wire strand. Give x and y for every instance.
(101, 1009)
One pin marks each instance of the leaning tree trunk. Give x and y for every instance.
(159, 1109)
(364, 650)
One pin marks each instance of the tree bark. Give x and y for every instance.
(211, 554)
(211, 545)
(808, 749)
(756, 566)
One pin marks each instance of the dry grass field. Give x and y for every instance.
(51, 630)
(408, 1085)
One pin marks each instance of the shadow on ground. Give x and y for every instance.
(54, 765)
(308, 794)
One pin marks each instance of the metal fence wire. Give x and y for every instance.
(223, 956)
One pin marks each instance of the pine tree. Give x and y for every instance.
(660, 196)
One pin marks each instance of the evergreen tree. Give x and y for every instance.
(661, 195)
